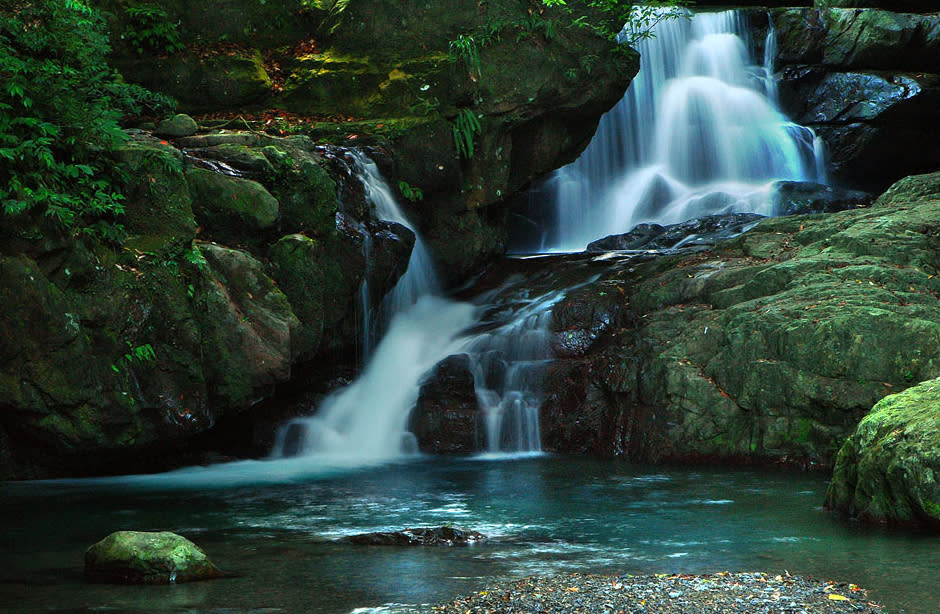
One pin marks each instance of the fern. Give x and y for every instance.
(466, 127)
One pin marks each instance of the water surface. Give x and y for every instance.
(545, 515)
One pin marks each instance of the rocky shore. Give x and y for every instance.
(724, 592)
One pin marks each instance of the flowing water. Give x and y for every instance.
(698, 133)
(277, 530)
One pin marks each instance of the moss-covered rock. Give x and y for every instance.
(231, 208)
(887, 470)
(769, 347)
(321, 279)
(141, 557)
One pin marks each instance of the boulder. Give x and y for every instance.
(887, 470)
(141, 557)
(179, 125)
(447, 417)
(423, 536)
(231, 208)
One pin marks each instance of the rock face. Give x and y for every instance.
(175, 331)
(768, 347)
(136, 557)
(437, 85)
(866, 81)
(886, 471)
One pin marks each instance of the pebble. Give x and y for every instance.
(719, 593)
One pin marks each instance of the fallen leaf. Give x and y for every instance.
(837, 597)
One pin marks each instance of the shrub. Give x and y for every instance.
(59, 109)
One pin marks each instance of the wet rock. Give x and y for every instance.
(424, 536)
(886, 471)
(446, 416)
(138, 557)
(799, 198)
(698, 232)
(391, 247)
(866, 81)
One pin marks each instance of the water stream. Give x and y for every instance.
(698, 133)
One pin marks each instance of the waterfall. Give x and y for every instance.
(508, 364)
(419, 279)
(367, 420)
(697, 133)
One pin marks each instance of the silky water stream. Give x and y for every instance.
(277, 524)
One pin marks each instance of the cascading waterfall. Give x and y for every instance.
(367, 420)
(697, 133)
(508, 365)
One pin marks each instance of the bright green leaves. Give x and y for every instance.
(466, 127)
(59, 108)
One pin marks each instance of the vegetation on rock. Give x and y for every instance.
(141, 557)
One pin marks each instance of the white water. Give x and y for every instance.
(367, 421)
(697, 133)
(419, 279)
(508, 365)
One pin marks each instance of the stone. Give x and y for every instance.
(179, 125)
(140, 557)
(231, 208)
(423, 536)
(801, 198)
(447, 415)
(887, 470)
(698, 232)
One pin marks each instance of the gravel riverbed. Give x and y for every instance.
(725, 593)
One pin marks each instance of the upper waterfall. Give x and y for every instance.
(697, 133)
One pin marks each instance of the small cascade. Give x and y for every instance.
(508, 364)
(697, 133)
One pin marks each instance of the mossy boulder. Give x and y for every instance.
(887, 470)
(177, 126)
(231, 208)
(142, 557)
(321, 278)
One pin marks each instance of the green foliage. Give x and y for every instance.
(414, 194)
(59, 110)
(151, 30)
(466, 127)
(135, 355)
(464, 49)
(639, 19)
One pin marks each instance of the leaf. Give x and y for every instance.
(837, 597)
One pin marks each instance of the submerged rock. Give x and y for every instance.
(887, 470)
(423, 536)
(142, 557)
